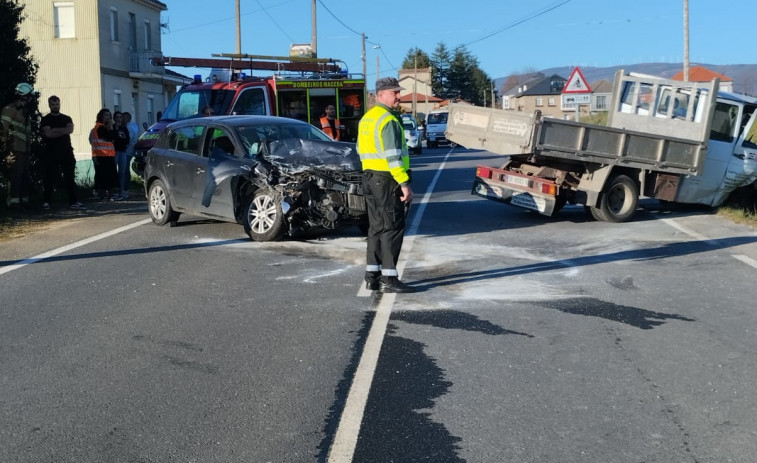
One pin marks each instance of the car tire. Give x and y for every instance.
(264, 217)
(432, 144)
(619, 199)
(159, 204)
(418, 149)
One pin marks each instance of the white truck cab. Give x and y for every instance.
(436, 127)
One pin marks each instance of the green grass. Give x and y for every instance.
(742, 215)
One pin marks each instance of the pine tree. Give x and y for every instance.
(416, 57)
(440, 63)
(18, 64)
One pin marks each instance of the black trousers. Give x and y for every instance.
(55, 164)
(386, 222)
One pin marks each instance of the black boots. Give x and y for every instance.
(394, 285)
(372, 280)
(375, 282)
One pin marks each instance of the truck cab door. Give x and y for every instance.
(742, 167)
(707, 188)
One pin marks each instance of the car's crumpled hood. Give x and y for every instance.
(287, 158)
(297, 155)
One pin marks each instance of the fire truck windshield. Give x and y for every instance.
(190, 103)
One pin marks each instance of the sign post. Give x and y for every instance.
(576, 91)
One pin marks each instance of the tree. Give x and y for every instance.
(416, 58)
(440, 62)
(466, 80)
(18, 64)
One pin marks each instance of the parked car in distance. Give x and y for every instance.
(436, 128)
(412, 134)
(273, 175)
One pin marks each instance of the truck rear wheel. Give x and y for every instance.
(619, 200)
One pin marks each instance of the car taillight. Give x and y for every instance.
(549, 188)
(483, 172)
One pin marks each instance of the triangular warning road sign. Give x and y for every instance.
(576, 83)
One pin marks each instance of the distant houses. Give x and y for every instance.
(702, 74)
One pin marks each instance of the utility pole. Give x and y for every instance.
(415, 87)
(314, 38)
(685, 40)
(365, 76)
(239, 32)
(377, 47)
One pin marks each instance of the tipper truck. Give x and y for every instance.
(671, 140)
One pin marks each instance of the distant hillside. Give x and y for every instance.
(744, 75)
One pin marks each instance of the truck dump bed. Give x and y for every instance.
(646, 131)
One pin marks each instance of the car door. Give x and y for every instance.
(224, 168)
(185, 164)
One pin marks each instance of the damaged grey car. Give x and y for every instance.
(275, 176)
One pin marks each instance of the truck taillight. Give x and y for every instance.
(549, 188)
(483, 172)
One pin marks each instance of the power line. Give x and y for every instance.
(358, 33)
(274, 21)
(227, 18)
(521, 21)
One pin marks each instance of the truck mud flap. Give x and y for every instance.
(522, 199)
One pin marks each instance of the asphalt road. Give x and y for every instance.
(530, 339)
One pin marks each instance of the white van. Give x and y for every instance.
(436, 126)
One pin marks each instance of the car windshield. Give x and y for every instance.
(190, 103)
(408, 123)
(253, 136)
(437, 118)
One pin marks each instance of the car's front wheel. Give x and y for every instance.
(264, 218)
(159, 204)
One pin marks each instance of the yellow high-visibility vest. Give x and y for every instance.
(373, 146)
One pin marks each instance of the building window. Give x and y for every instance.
(148, 36)
(601, 102)
(539, 101)
(114, 25)
(551, 101)
(132, 32)
(65, 24)
(116, 100)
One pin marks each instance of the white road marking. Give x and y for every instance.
(745, 259)
(345, 440)
(689, 232)
(68, 247)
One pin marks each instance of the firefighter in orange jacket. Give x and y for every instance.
(331, 125)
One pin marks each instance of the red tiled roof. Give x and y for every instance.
(702, 74)
(420, 97)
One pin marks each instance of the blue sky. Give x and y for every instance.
(505, 36)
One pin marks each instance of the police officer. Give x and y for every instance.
(16, 134)
(386, 185)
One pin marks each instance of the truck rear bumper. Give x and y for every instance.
(497, 191)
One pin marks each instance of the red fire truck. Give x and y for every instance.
(297, 88)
